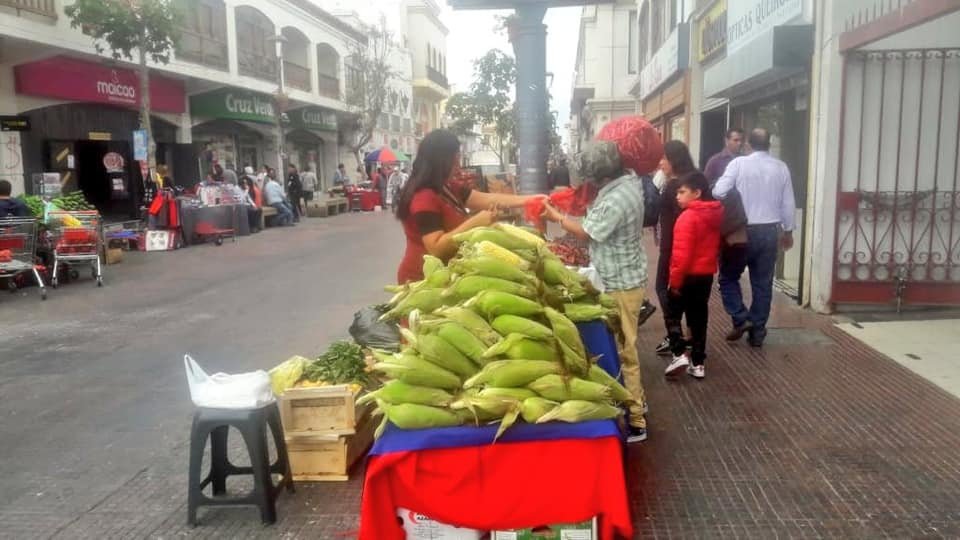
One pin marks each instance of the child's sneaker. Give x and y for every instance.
(636, 435)
(679, 364)
(697, 372)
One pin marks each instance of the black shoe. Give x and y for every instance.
(636, 435)
(664, 347)
(755, 339)
(738, 331)
(646, 311)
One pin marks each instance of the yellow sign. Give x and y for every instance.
(99, 136)
(712, 30)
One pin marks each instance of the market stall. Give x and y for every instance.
(215, 212)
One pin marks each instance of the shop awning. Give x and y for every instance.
(778, 53)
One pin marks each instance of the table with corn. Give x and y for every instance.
(491, 337)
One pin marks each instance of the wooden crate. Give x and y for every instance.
(329, 457)
(327, 409)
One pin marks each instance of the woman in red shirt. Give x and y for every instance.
(432, 209)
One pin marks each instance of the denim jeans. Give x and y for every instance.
(760, 256)
(284, 214)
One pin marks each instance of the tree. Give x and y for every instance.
(369, 79)
(149, 27)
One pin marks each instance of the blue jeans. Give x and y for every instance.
(284, 214)
(760, 256)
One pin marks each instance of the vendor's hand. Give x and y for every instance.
(486, 218)
(538, 197)
(786, 240)
(550, 213)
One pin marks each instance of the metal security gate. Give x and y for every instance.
(898, 205)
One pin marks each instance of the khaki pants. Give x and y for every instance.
(629, 303)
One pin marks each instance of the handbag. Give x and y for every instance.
(223, 391)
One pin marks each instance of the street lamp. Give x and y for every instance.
(278, 40)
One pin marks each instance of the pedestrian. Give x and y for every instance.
(340, 177)
(273, 193)
(294, 191)
(262, 176)
(309, 180)
(382, 186)
(559, 175)
(732, 146)
(9, 206)
(248, 199)
(613, 227)
(693, 261)
(766, 189)
(676, 162)
(393, 186)
(228, 175)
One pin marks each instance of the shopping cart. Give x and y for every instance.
(18, 242)
(76, 238)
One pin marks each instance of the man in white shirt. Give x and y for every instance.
(766, 189)
(273, 196)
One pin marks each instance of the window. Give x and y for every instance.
(406, 125)
(643, 35)
(384, 121)
(203, 33)
(633, 43)
(256, 52)
(394, 122)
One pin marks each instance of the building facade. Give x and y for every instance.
(426, 37)
(216, 102)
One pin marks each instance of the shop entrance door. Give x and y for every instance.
(713, 127)
(97, 183)
(248, 157)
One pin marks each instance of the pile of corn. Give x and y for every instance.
(491, 338)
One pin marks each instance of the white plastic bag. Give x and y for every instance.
(224, 391)
(591, 274)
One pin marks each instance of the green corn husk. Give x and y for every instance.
(518, 394)
(461, 338)
(535, 407)
(580, 411)
(529, 255)
(617, 391)
(554, 272)
(607, 301)
(492, 267)
(439, 279)
(415, 416)
(574, 362)
(520, 347)
(534, 240)
(426, 300)
(512, 373)
(512, 324)
(396, 392)
(566, 332)
(467, 287)
(487, 408)
(440, 352)
(509, 418)
(577, 312)
(473, 322)
(490, 234)
(556, 388)
(411, 369)
(492, 304)
(431, 264)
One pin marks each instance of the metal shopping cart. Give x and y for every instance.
(18, 242)
(76, 238)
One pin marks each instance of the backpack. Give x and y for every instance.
(651, 201)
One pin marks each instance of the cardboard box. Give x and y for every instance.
(420, 527)
(586, 530)
(114, 256)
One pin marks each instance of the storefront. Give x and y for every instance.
(663, 86)
(89, 139)
(765, 78)
(311, 142)
(711, 45)
(233, 128)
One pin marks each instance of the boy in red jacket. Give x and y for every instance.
(693, 261)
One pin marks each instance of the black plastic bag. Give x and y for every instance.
(369, 331)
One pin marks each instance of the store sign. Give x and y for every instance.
(234, 104)
(113, 162)
(712, 30)
(313, 118)
(670, 59)
(62, 77)
(14, 123)
(747, 19)
(140, 144)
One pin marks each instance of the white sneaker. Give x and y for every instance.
(678, 364)
(696, 372)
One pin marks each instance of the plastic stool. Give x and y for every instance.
(252, 424)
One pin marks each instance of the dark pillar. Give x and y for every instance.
(529, 38)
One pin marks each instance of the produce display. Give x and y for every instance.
(72, 201)
(343, 363)
(34, 203)
(571, 250)
(490, 337)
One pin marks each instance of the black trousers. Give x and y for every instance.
(692, 302)
(295, 203)
(253, 218)
(670, 318)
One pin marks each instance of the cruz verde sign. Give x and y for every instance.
(234, 104)
(313, 118)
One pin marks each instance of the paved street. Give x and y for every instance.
(816, 436)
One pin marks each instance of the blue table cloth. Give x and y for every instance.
(599, 341)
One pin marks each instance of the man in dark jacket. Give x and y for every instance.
(10, 207)
(294, 190)
(733, 146)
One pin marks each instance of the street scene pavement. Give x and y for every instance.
(814, 436)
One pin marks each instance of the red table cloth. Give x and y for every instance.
(500, 486)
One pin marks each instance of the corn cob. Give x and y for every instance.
(485, 408)
(584, 312)
(509, 418)
(533, 408)
(492, 304)
(580, 411)
(411, 369)
(442, 353)
(461, 338)
(489, 234)
(492, 267)
(520, 347)
(467, 287)
(533, 241)
(512, 373)
(519, 394)
(473, 322)
(617, 391)
(529, 255)
(512, 324)
(425, 300)
(397, 392)
(415, 416)
(556, 388)
(574, 354)
(607, 301)
(430, 265)
(489, 249)
(574, 362)
(439, 278)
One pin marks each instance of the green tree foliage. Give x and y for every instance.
(488, 102)
(148, 28)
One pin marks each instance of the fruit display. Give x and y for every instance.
(490, 337)
(571, 250)
(72, 202)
